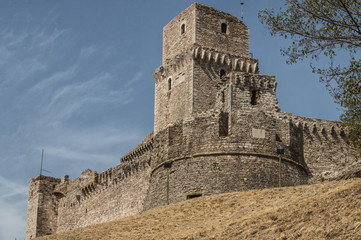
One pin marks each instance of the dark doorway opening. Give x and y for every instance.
(190, 196)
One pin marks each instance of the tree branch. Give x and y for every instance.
(350, 15)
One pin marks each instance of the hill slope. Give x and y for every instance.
(328, 210)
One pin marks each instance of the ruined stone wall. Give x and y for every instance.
(42, 207)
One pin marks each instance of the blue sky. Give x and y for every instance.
(76, 80)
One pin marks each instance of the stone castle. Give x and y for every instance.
(217, 128)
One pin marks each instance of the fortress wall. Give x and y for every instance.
(117, 192)
(326, 150)
(205, 163)
(255, 131)
(248, 131)
(213, 174)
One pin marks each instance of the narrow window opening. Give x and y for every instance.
(190, 196)
(254, 97)
(222, 73)
(223, 124)
(169, 84)
(278, 139)
(183, 28)
(224, 28)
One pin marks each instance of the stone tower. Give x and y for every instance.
(200, 46)
(214, 114)
(42, 207)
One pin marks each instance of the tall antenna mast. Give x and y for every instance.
(42, 158)
(242, 3)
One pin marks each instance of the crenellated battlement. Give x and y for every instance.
(235, 63)
(145, 146)
(316, 128)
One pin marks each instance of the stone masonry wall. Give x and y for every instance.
(42, 207)
(208, 31)
(174, 41)
(326, 151)
(115, 193)
(207, 175)
(203, 28)
(173, 93)
(57, 205)
(106, 203)
(206, 163)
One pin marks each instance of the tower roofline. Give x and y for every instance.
(203, 7)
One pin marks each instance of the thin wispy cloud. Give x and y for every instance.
(44, 39)
(86, 52)
(13, 220)
(10, 188)
(63, 91)
(55, 78)
(13, 198)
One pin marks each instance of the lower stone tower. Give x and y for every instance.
(42, 207)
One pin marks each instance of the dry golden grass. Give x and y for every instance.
(328, 210)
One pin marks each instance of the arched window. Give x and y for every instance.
(169, 83)
(224, 28)
(222, 72)
(183, 28)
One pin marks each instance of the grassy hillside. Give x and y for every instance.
(328, 210)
